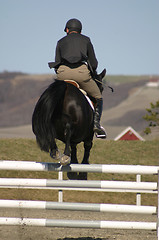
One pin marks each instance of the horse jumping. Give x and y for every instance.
(63, 112)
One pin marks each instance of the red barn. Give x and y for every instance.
(153, 82)
(129, 134)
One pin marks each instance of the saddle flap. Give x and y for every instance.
(76, 85)
(73, 83)
(83, 91)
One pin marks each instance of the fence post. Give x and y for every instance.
(60, 195)
(158, 209)
(138, 195)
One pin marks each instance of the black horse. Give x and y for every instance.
(63, 112)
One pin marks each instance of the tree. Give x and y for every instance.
(152, 116)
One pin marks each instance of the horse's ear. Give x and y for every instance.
(103, 73)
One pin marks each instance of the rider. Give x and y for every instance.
(75, 60)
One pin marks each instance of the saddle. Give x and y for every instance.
(76, 85)
(83, 91)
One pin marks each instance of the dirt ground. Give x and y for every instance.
(47, 233)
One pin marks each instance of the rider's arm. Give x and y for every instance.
(57, 54)
(91, 56)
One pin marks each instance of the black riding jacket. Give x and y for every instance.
(75, 48)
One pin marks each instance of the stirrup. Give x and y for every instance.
(100, 133)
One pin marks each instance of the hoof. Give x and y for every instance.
(82, 176)
(65, 160)
(72, 175)
(55, 154)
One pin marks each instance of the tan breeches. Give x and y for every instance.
(82, 76)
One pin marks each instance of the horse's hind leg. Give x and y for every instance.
(87, 148)
(54, 152)
(73, 175)
(65, 159)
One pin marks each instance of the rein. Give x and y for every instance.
(112, 89)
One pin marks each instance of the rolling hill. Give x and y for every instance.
(18, 95)
(124, 107)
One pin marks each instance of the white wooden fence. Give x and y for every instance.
(137, 187)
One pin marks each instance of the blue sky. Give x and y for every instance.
(125, 33)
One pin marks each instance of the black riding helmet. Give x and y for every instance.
(73, 25)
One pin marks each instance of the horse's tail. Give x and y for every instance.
(42, 119)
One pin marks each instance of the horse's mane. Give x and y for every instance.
(43, 113)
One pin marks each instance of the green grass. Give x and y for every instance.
(103, 152)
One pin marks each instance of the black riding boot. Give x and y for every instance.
(99, 131)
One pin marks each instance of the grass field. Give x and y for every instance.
(103, 152)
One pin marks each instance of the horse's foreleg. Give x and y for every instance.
(65, 159)
(87, 148)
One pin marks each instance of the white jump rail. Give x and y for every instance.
(77, 223)
(151, 187)
(95, 207)
(27, 182)
(98, 168)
